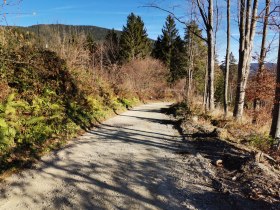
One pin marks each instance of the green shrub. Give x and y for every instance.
(49, 103)
(261, 142)
(97, 110)
(10, 121)
(128, 103)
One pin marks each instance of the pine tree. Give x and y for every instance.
(177, 61)
(169, 48)
(111, 48)
(157, 51)
(165, 44)
(134, 42)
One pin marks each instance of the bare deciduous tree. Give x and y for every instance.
(209, 25)
(247, 28)
(227, 61)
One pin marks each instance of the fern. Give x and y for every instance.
(9, 120)
(3, 123)
(35, 120)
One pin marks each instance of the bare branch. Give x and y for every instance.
(202, 12)
(176, 18)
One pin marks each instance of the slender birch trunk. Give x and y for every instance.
(205, 97)
(227, 61)
(211, 57)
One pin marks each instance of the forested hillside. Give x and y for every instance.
(46, 30)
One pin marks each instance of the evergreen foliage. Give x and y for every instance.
(90, 44)
(46, 31)
(196, 52)
(177, 61)
(134, 42)
(111, 47)
(166, 42)
(169, 48)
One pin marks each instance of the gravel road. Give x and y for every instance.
(131, 161)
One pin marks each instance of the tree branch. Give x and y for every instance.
(176, 18)
(203, 14)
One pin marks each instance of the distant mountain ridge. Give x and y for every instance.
(255, 66)
(98, 33)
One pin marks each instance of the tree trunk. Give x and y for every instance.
(190, 68)
(275, 126)
(205, 97)
(191, 82)
(191, 71)
(247, 28)
(187, 87)
(211, 58)
(101, 57)
(227, 61)
(208, 22)
(261, 62)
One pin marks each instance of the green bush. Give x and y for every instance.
(47, 101)
(10, 121)
(261, 142)
(97, 110)
(128, 103)
(45, 120)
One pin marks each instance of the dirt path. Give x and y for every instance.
(132, 161)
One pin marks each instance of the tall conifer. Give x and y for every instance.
(111, 47)
(169, 48)
(134, 41)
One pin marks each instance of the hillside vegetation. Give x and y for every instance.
(46, 30)
(59, 79)
(50, 94)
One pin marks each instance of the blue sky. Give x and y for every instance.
(113, 14)
(106, 13)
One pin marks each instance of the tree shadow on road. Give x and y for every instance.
(93, 183)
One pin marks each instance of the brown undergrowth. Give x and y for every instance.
(241, 168)
(252, 135)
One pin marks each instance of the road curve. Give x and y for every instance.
(131, 161)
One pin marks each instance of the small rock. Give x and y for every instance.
(219, 163)
(234, 178)
(195, 119)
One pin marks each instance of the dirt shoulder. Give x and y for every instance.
(238, 171)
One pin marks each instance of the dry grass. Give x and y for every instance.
(5, 90)
(143, 78)
(245, 132)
